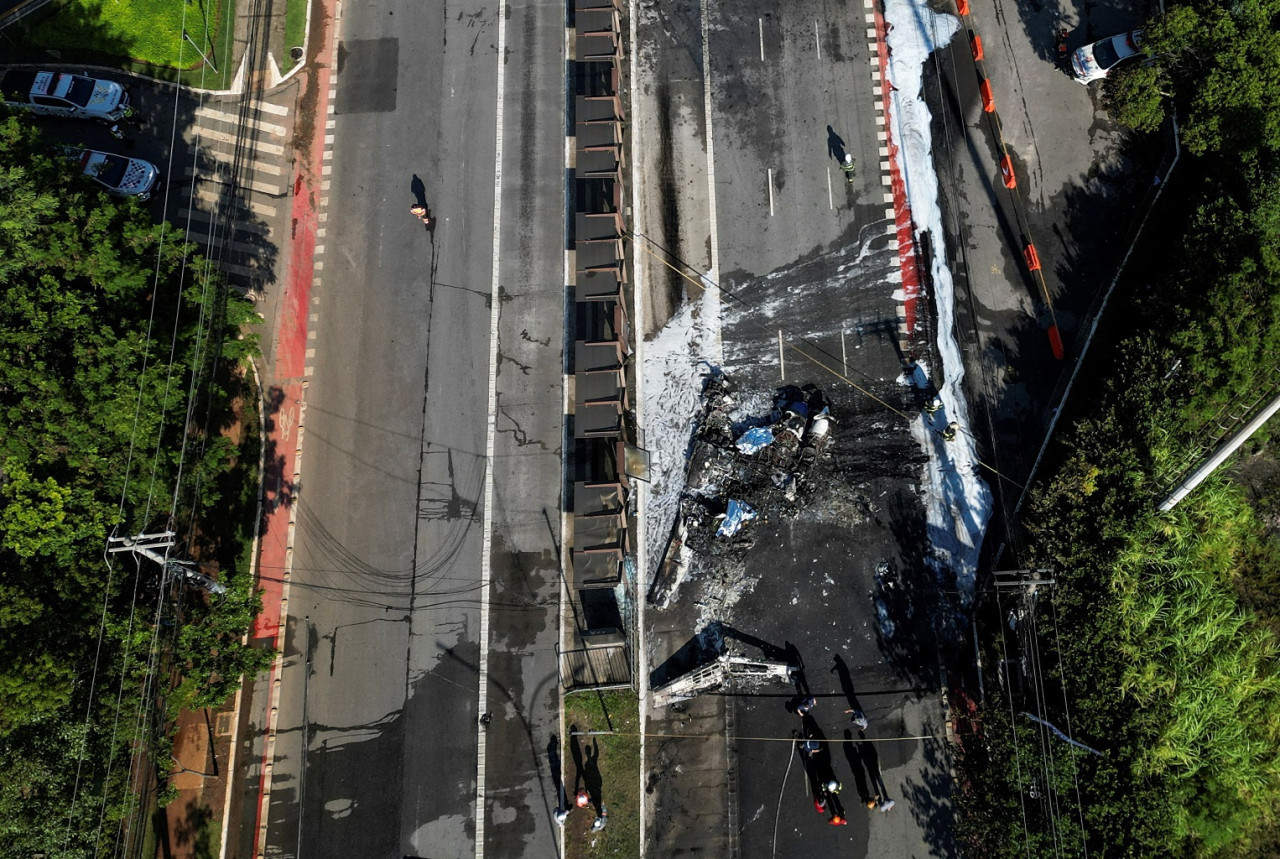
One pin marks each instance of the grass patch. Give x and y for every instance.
(295, 32)
(147, 31)
(609, 767)
(217, 47)
(143, 36)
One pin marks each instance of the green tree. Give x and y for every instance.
(1133, 96)
(93, 413)
(1220, 62)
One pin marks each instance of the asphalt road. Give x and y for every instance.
(804, 252)
(379, 735)
(816, 263)
(1081, 185)
(845, 583)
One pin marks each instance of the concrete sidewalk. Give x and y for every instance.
(193, 822)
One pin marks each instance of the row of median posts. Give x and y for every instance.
(599, 566)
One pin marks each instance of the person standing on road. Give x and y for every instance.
(848, 166)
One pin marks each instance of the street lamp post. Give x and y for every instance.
(187, 36)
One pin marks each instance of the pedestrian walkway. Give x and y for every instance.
(240, 180)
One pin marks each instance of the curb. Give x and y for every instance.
(190, 90)
(253, 572)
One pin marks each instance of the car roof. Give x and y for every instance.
(16, 83)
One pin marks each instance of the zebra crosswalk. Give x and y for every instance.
(238, 177)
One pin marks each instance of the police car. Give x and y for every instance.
(1092, 62)
(119, 174)
(59, 94)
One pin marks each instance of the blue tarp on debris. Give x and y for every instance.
(755, 439)
(738, 514)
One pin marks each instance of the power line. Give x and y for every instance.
(1066, 707)
(1013, 726)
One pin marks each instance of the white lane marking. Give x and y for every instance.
(268, 107)
(244, 271)
(216, 115)
(203, 221)
(209, 195)
(816, 39)
(714, 274)
(252, 251)
(244, 184)
(771, 192)
(831, 202)
(259, 148)
(760, 21)
(486, 541)
(229, 157)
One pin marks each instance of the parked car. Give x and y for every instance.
(1093, 62)
(59, 94)
(119, 174)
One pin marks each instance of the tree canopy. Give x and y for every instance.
(1220, 63)
(108, 324)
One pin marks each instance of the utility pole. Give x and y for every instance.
(146, 544)
(1020, 578)
(143, 544)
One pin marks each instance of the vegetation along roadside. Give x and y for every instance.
(1156, 647)
(122, 369)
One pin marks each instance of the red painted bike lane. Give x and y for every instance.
(286, 389)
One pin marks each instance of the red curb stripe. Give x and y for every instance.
(901, 207)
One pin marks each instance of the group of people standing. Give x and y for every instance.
(815, 752)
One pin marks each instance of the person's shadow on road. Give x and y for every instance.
(841, 670)
(855, 763)
(871, 760)
(575, 751)
(835, 145)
